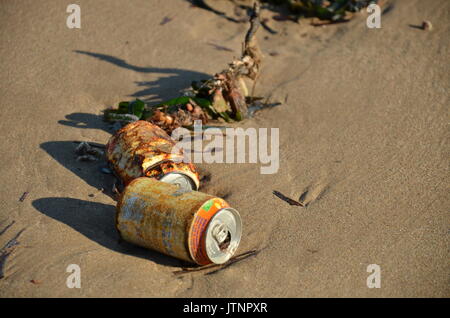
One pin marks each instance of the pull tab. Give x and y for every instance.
(220, 233)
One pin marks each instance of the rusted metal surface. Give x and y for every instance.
(143, 149)
(192, 226)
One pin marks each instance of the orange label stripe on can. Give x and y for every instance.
(197, 243)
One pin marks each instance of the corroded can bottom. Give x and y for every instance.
(181, 180)
(182, 174)
(191, 226)
(143, 149)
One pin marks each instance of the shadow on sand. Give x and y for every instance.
(165, 87)
(86, 121)
(63, 153)
(96, 222)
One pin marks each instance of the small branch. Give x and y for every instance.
(288, 200)
(254, 25)
(217, 267)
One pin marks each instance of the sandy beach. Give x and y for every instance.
(364, 141)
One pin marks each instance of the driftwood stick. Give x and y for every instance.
(254, 25)
(217, 267)
(234, 88)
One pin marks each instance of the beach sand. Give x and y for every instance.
(364, 140)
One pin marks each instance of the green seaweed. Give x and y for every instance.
(126, 111)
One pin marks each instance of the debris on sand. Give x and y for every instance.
(331, 10)
(288, 200)
(7, 251)
(126, 112)
(217, 267)
(179, 115)
(86, 152)
(7, 227)
(427, 26)
(87, 158)
(223, 97)
(328, 11)
(165, 20)
(24, 196)
(106, 170)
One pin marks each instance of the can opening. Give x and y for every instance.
(224, 245)
(223, 235)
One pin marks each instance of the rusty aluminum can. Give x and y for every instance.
(142, 149)
(192, 226)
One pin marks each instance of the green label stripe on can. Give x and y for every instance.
(207, 205)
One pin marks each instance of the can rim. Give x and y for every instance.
(187, 177)
(213, 251)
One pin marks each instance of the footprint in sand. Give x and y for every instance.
(313, 192)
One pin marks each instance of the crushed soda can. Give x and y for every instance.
(141, 149)
(192, 226)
